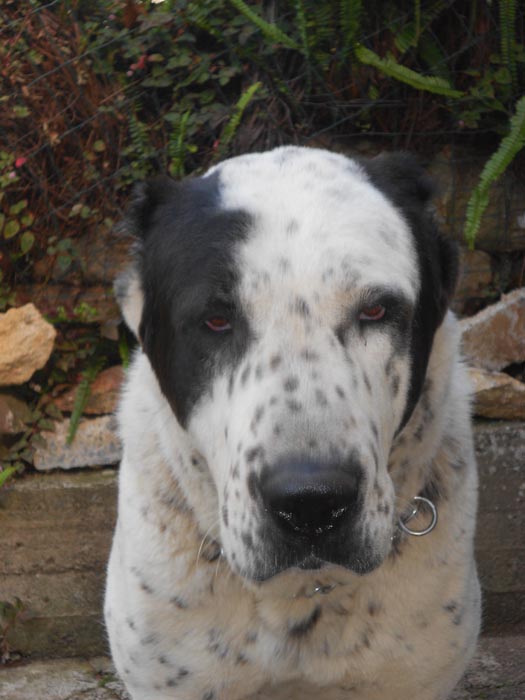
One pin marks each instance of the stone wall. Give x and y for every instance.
(56, 533)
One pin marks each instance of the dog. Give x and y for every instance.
(298, 488)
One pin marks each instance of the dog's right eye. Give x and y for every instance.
(218, 324)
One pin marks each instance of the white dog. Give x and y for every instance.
(297, 410)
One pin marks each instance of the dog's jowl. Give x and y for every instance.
(298, 488)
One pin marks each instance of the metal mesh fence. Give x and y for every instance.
(89, 105)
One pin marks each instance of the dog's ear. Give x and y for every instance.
(130, 297)
(138, 223)
(403, 180)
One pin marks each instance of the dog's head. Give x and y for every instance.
(287, 302)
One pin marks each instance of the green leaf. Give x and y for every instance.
(390, 67)
(494, 168)
(11, 228)
(99, 146)
(271, 31)
(18, 207)
(5, 474)
(27, 240)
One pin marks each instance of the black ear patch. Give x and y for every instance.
(147, 197)
(400, 177)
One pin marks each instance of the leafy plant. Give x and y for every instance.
(494, 168)
(82, 395)
(390, 67)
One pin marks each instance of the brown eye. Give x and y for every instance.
(218, 324)
(372, 313)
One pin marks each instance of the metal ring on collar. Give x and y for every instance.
(433, 510)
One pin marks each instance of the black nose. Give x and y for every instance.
(310, 498)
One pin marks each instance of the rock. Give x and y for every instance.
(475, 273)
(497, 395)
(27, 341)
(495, 337)
(103, 396)
(500, 546)
(96, 443)
(84, 304)
(63, 679)
(14, 415)
(475, 279)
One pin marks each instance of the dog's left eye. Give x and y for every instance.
(218, 324)
(372, 313)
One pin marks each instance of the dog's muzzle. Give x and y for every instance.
(311, 515)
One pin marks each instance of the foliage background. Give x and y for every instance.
(97, 94)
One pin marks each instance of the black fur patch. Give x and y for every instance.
(408, 187)
(185, 259)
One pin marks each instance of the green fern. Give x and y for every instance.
(350, 23)
(494, 168)
(6, 473)
(271, 31)
(177, 147)
(139, 136)
(300, 16)
(231, 127)
(507, 24)
(82, 395)
(390, 67)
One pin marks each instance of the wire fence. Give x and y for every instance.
(97, 95)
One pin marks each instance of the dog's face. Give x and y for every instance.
(287, 302)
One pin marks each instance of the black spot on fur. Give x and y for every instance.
(302, 628)
(293, 405)
(245, 374)
(340, 391)
(275, 361)
(455, 611)
(254, 453)
(301, 307)
(309, 355)
(291, 384)
(374, 608)
(225, 516)
(321, 398)
(247, 540)
(292, 227)
(253, 485)
(178, 602)
(395, 384)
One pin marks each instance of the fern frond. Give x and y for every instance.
(390, 67)
(82, 395)
(350, 23)
(300, 16)
(507, 27)
(494, 168)
(231, 127)
(271, 31)
(177, 148)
